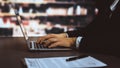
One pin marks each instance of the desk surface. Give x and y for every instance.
(14, 49)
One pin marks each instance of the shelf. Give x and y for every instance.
(41, 10)
(46, 2)
(34, 14)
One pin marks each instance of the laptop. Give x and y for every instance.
(32, 45)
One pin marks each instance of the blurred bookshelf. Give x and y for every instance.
(41, 17)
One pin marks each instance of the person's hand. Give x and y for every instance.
(54, 40)
(61, 42)
(44, 38)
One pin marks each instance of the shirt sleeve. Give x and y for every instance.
(78, 40)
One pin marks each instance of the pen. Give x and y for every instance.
(76, 57)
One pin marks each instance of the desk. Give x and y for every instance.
(13, 49)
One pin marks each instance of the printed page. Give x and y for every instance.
(60, 62)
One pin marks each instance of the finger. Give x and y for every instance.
(39, 40)
(50, 41)
(43, 38)
(54, 45)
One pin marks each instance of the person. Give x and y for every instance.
(102, 35)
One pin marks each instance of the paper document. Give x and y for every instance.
(60, 62)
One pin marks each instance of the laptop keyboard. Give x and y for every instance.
(34, 45)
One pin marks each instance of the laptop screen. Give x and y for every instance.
(24, 32)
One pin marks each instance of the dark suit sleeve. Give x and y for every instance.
(102, 35)
(76, 33)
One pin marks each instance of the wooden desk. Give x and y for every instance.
(12, 50)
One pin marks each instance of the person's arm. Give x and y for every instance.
(42, 39)
(63, 39)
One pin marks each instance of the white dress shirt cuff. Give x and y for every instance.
(78, 40)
